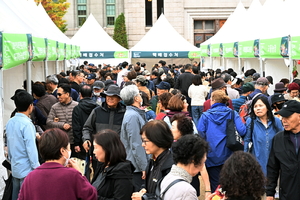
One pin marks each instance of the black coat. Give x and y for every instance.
(158, 169)
(117, 184)
(79, 115)
(283, 161)
(183, 82)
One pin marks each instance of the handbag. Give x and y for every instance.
(7, 194)
(234, 141)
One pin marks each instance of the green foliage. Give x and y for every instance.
(120, 35)
(56, 9)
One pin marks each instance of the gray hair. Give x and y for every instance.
(128, 93)
(53, 79)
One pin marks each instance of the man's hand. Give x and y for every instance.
(66, 126)
(77, 149)
(143, 175)
(270, 198)
(86, 145)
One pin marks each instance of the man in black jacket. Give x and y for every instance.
(284, 159)
(79, 116)
(107, 116)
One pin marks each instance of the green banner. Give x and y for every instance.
(203, 50)
(194, 54)
(39, 49)
(68, 52)
(215, 50)
(1, 52)
(61, 51)
(246, 49)
(52, 50)
(121, 54)
(274, 48)
(15, 49)
(228, 49)
(295, 47)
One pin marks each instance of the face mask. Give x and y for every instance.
(141, 103)
(67, 159)
(279, 106)
(148, 77)
(163, 77)
(97, 93)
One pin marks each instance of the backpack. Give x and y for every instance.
(245, 109)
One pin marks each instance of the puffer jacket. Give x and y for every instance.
(212, 127)
(64, 114)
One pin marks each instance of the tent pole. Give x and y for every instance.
(261, 66)
(223, 62)
(28, 74)
(46, 68)
(56, 66)
(290, 60)
(239, 63)
(65, 66)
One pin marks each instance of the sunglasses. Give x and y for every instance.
(59, 94)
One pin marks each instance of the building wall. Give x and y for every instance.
(180, 13)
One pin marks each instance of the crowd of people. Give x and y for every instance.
(135, 130)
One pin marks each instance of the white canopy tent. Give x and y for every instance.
(93, 40)
(22, 17)
(162, 37)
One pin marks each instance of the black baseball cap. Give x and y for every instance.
(290, 107)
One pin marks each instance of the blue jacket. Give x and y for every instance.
(133, 121)
(238, 102)
(262, 139)
(212, 127)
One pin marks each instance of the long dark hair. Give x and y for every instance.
(266, 102)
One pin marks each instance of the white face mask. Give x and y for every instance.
(97, 94)
(148, 77)
(67, 159)
(163, 77)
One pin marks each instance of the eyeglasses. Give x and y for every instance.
(59, 94)
(145, 141)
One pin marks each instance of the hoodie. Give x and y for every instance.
(212, 127)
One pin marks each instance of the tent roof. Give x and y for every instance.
(92, 37)
(163, 37)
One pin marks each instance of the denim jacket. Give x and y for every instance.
(262, 139)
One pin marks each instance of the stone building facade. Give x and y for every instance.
(195, 20)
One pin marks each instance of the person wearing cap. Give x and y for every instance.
(261, 86)
(280, 88)
(276, 101)
(255, 76)
(284, 160)
(141, 83)
(91, 78)
(293, 92)
(217, 84)
(107, 116)
(150, 83)
(160, 89)
(232, 93)
(247, 89)
(79, 116)
(98, 87)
